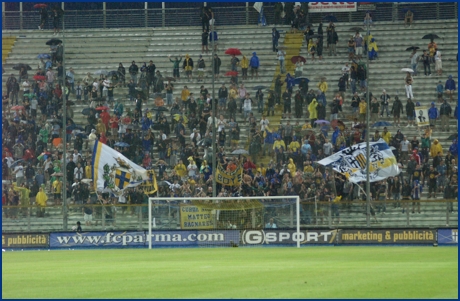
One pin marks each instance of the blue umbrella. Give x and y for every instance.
(330, 18)
(83, 135)
(298, 79)
(121, 144)
(43, 56)
(322, 121)
(381, 123)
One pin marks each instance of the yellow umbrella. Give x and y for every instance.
(178, 117)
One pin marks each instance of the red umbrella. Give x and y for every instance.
(40, 5)
(296, 57)
(231, 73)
(233, 51)
(39, 77)
(101, 108)
(17, 108)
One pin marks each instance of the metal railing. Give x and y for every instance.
(433, 213)
(177, 17)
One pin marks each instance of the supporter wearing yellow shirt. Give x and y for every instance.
(362, 110)
(386, 135)
(185, 94)
(40, 200)
(279, 143)
(294, 145)
(180, 169)
(291, 167)
(308, 168)
(323, 86)
(335, 207)
(57, 188)
(88, 171)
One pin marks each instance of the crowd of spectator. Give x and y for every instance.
(174, 146)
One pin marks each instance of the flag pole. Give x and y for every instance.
(368, 185)
(214, 112)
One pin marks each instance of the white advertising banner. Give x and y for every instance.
(330, 7)
(421, 116)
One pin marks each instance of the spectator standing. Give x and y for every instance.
(408, 84)
(450, 87)
(445, 112)
(133, 71)
(384, 102)
(188, 66)
(254, 64)
(414, 59)
(410, 113)
(397, 110)
(213, 36)
(217, 64)
(425, 58)
(438, 62)
(332, 40)
(358, 45)
(204, 41)
(433, 114)
(281, 54)
(275, 38)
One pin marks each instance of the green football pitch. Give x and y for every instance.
(311, 272)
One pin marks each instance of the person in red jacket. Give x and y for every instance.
(105, 118)
(248, 164)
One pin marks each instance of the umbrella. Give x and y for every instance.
(99, 72)
(160, 109)
(330, 18)
(314, 36)
(452, 137)
(431, 36)
(101, 108)
(40, 5)
(43, 56)
(168, 78)
(19, 66)
(53, 42)
(13, 165)
(297, 80)
(412, 48)
(82, 135)
(158, 95)
(296, 57)
(86, 181)
(204, 142)
(88, 111)
(141, 93)
(231, 73)
(17, 108)
(407, 70)
(57, 174)
(177, 117)
(381, 123)
(260, 87)
(357, 28)
(322, 121)
(121, 144)
(360, 126)
(240, 152)
(39, 77)
(337, 122)
(112, 73)
(233, 51)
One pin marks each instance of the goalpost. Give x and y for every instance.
(208, 216)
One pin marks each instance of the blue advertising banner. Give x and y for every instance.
(447, 236)
(97, 239)
(194, 238)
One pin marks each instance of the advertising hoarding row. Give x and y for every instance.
(195, 238)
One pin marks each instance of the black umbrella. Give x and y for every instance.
(313, 36)
(112, 73)
(160, 109)
(19, 66)
(330, 18)
(88, 111)
(452, 137)
(155, 95)
(53, 42)
(431, 36)
(260, 87)
(357, 28)
(412, 48)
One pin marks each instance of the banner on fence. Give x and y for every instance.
(408, 236)
(447, 236)
(25, 240)
(193, 217)
(194, 238)
(282, 237)
(97, 239)
(329, 7)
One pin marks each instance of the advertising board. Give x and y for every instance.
(194, 238)
(97, 239)
(25, 240)
(282, 237)
(326, 7)
(447, 236)
(390, 236)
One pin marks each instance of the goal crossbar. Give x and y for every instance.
(196, 200)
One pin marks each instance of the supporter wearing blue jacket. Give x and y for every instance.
(433, 114)
(254, 64)
(268, 142)
(450, 87)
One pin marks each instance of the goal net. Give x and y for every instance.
(221, 221)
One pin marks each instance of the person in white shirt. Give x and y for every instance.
(78, 172)
(345, 73)
(271, 224)
(263, 123)
(105, 90)
(438, 62)
(25, 88)
(221, 123)
(327, 148)
(92, 138)
(280, 56)
(19, 172)
(247, 106)
(75, 156)
(209, 124)
(405, 149)
(192, 168)
(33, 107)
(78, 90)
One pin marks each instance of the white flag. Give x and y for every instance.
(351, 162)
